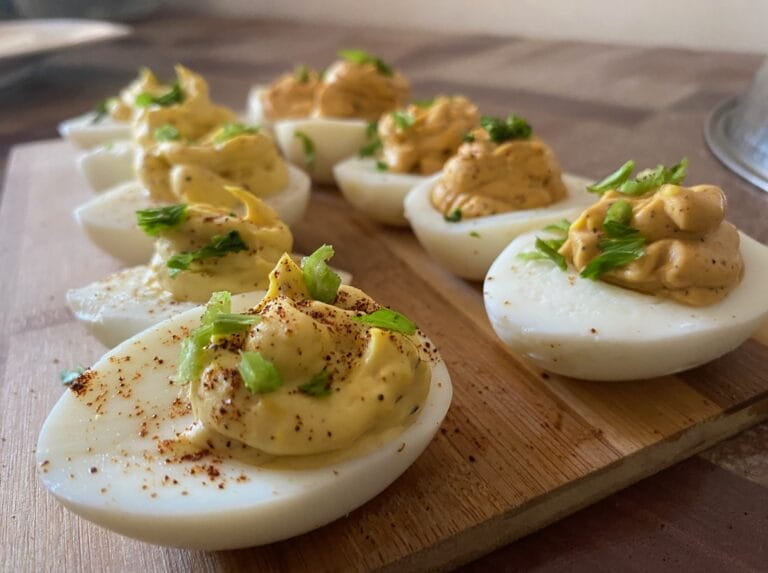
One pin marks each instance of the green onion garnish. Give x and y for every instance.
(157, 219)
(388, 320)
(363, 57)
(218, 246)
(259, 374)
(454, 216)
(309, 148)
(231, 130)
(319, 385)
(501, 130)
(322, 283)
(173, 96)
(167, 132)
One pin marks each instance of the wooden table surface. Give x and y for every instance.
(597, 105)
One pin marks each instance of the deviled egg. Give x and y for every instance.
(321, 118)
(648, 281)
(198, 249)
(248, 421)
(172, 171)
(502, 182)
(184, 103)
(404, 148)
(153, 112)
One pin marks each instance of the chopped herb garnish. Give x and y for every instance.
(259, 374)
(167, 132)
(309, 148)
(102, 109)
(402, 119)
(388, 320)
(613, 180)
(372, 141)
(157, 219)
(227, 323)
(468, 137)
(651, 179)
(173, 96)
(501, 130)
(424, 103)
(549, 248)
(474, 234)
(69, 376)
(622, 244)
(218, 246)
(561, 227)
(363, 57)
(381, 165)
(322, 283)
(301, 73)
(319, 385)
(454, 216)
(615, 253)
(232, 130)
(647, 180)
(217, 321)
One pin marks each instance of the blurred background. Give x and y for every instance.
(737, 25)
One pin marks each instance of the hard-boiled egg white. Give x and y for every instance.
(98, 455)
(332, 140)
(468, 247)
(84, 132)
(107, 166)
(109, 219)
(127, 302)
(378, 194)
(597, 331)
(255, 108)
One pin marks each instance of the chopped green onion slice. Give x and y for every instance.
(613, 180)
(227, 323)
(259, 374)
(454, 216)
(167, 132)
(309, 148)
(173, 96)
(102, 109)
(388, 320)
(322, 283)
(468, 137)
(561, 227)
(363, 57)
(231, 130)
(219, 303)
(319, 385)
(157, 219)
(218, 246)
(403, 119)
(372, 141)
(615, 253)
(651, 179)
(381, 166)
(501, 130)
(69, 376)
(549, 248)
(301, 73)
(474, 234)
(424, 103)
(194, 354)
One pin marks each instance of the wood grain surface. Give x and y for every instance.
(519, 449)
(562, 442)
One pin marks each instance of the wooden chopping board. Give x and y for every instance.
(520, 448)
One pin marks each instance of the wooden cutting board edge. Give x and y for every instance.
(540, 512)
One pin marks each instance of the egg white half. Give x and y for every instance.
(102, 462)
(109, 219)
(107, 166)
(467, 248)
(596, 331)
(125, 303)
(83, 133)
(333, 139)
(255, 108)
(378, 194)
